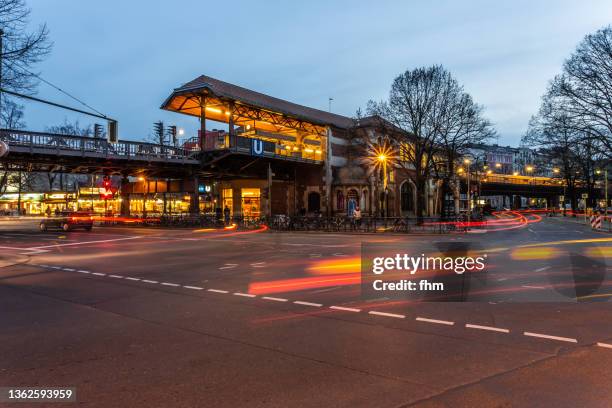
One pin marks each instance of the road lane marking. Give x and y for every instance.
(69, 269)
(533, 287)
(149, 281)
(98, 274)
(490, 328)
(192, 287)
(83, 271)
(81, 243)
(227, 267)
(244, 294)
(546, 336)
(170, 284)
(217, 290)
(115, 276)
(398, 316)
(54, 267)
(345, 309)
(275, 299)
(606, 345)
(436, 321)
(299, 302)
(132, 279)
(542, 268)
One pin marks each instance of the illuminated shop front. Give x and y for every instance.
(31, 203)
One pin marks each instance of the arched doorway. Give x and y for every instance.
(352, 201)
(406, 197)
(314, 202)
(339, 200)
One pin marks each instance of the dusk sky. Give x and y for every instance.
(125, 57)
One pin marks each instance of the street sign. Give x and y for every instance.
(561, 198)
(257, 147)
(585, 195)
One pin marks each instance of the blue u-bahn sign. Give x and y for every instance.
(257, 147)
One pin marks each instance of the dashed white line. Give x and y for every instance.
(192, 287)
(116, 276)
(299, 302)
(345, 309)
(98, 274)
(54, 267)
(546, 336)
(398, 316)
(542, 268)
(489, 328)
(69, 269)
(533, 287)
(275, 299)
(436, 321)
(132, 279)
(83, 271)
(605, 345)
(217, 290)
(244, 294)
(227, 267)
(149, 281)
(170, 284)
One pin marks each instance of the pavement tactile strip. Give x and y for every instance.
(333, 307)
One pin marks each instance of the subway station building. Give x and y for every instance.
(278, 157)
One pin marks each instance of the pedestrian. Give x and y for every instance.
(48, 211)
(226, 215)
(357, 217)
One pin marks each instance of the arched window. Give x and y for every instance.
(339, 200)
(364, 201)
(406, 197)
(352, 200)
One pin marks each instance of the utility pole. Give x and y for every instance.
(1, 55)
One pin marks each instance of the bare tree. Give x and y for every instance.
(436, 120)
(12, 115)
(22, 49)
(460, 125)
(585, 87)
(71, 129)
(555, 132)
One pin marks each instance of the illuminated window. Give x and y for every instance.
(251, 202)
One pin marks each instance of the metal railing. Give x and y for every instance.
(19, 140)
(364, 224)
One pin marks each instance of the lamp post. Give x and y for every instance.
(469, 193)
(605, 196)
(529, 169)
(382, 158)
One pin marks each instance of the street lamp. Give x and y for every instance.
(529, 169)
(469, 195)
(605, 195)
(382, 155)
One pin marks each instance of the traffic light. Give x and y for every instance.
(98, 132)
(158, 130)
(111, 133)
(107, 188)
(172, 134)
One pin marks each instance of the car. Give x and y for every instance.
(68, 221)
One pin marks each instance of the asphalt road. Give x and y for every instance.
(136, 317)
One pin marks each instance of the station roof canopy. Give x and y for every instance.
(245, 106)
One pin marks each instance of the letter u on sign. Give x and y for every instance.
(257, 147)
